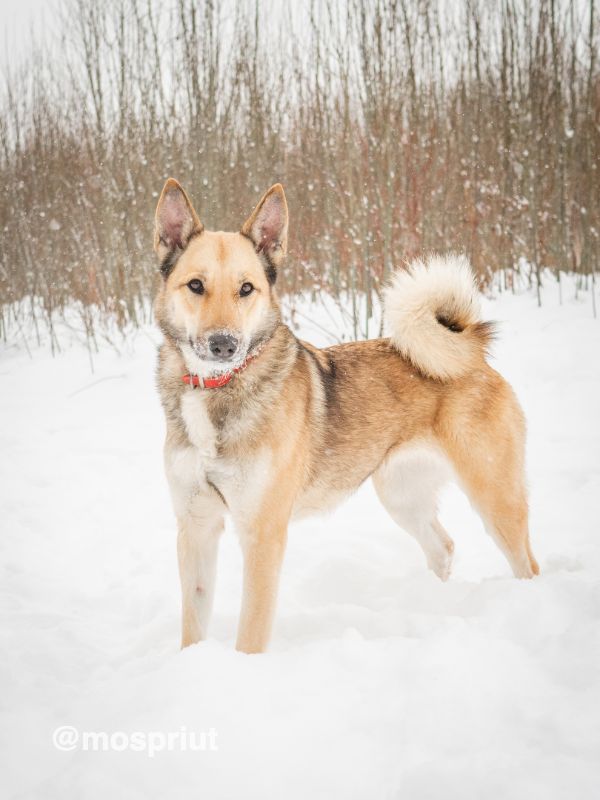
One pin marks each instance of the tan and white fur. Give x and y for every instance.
(297, 428)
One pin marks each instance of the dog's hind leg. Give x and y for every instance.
(487, 452)
(502, 504)
(407, 483)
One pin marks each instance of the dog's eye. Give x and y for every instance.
(196, 286)
(246, 289)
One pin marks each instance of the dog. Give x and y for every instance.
(267, 428)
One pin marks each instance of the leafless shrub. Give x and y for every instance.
(396, 127)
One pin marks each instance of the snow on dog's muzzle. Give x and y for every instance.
(223, 346)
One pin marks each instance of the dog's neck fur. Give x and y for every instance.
(242, 406)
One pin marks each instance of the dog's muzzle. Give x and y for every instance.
(223, 346)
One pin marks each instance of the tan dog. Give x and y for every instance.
(266, 427)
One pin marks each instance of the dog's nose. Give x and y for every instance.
(222, 345)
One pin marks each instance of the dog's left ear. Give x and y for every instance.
(267, 226)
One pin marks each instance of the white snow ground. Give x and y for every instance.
(381, 681)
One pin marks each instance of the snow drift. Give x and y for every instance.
(381, 681)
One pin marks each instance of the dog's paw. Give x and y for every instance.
(441, 562)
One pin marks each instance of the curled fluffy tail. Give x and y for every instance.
(433, 317)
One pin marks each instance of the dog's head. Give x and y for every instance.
(216, 299)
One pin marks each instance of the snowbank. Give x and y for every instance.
(381, 681)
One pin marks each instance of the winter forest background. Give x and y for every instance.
(396, 127)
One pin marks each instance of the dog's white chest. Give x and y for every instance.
(198, 467)
(243, 482)
(186, 466)
(200, 430)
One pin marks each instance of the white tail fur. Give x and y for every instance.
(433, 316)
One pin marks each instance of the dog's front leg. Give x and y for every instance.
(200, 515)
(197, 548)
(263, 546)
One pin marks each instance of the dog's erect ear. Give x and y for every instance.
(175, 221)
(267, 226)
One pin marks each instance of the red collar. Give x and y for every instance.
(215, 383)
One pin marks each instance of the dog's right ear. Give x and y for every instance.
(175, 221)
